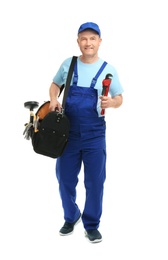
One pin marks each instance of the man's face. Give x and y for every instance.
(89, 43)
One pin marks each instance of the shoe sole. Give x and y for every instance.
(62, 234)
(93, 241)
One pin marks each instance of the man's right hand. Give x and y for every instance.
(55, 105)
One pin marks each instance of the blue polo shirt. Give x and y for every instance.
(86, 72)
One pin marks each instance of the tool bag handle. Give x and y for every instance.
(68, 81)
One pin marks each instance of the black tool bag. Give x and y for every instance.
(50, 135)
(49, 130)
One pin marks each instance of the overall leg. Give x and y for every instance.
(95, 174)
(67, 169)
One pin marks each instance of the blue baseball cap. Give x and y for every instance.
(91, 26)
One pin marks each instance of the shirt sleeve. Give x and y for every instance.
(116, 87)
(61, 75)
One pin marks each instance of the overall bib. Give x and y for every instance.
(86, 145)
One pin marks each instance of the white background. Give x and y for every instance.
(36, 36)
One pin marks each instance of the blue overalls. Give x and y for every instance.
(86, 144)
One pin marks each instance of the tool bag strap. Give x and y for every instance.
(68, 81)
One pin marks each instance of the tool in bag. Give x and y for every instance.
(49, 130)
(106, 85)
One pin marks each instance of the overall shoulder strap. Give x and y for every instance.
(68, 81)
(94, 80)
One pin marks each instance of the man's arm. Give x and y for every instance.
(54, 91)
(116, 101)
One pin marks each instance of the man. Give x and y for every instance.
(87, 140)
